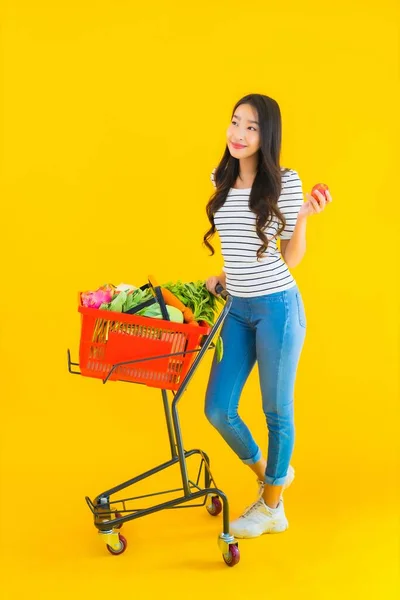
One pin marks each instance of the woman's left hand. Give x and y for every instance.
(312, 206)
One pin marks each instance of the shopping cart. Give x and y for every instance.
(160, 354)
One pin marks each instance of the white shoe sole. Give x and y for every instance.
(277, 529)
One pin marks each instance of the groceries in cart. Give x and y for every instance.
(121, 313)
(189, 303)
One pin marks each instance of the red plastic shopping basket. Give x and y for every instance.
(108, 338)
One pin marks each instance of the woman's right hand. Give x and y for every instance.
(213, 281)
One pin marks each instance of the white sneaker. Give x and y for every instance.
(259, 519)
(289, 480)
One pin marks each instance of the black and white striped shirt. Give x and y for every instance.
(236, 226)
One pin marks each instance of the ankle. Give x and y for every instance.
(272, 505)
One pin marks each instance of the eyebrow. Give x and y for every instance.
(237, 117)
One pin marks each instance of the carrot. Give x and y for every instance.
(172, 300)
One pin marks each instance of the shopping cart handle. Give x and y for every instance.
(221, 291)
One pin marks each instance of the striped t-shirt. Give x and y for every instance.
(236, 227)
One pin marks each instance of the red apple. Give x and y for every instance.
(321, 187)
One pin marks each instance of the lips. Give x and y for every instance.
(238, 146)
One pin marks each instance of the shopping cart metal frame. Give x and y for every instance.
(109, 515)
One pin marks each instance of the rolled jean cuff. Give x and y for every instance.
(275, 480)
(252, 461)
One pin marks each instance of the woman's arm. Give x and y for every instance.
(222, 278)
(212, 282)
(293, 250)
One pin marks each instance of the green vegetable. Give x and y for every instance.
(118, 301)
(195, 295)
(154, 311)
(175, 314)
(219, 348)
(137, 297)
(124, 301)
(203, 304)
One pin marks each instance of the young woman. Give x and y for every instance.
(256, 203)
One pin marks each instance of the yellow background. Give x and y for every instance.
(114, 114)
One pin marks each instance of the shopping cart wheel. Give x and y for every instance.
(118, 515)
(232, 557)
(122, 546)
(215, 507)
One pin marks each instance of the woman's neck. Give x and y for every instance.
(248, 168)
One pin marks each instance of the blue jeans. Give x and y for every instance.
(270, 329)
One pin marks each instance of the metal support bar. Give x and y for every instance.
(182, 388)
(168, 505)
(168, 419)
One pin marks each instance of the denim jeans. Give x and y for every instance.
(269, 329)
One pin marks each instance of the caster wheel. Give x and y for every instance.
(215, 507)
(118, 515)
(233, 556)
(122, 546)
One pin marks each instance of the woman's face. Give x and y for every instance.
(244, 131)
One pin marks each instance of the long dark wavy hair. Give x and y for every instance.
(267, 185)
